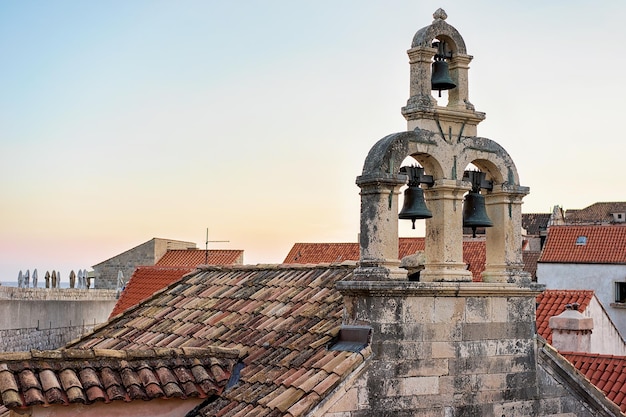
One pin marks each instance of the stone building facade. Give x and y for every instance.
(146, 254)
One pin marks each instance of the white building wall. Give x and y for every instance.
(605, 338)
(600, 278)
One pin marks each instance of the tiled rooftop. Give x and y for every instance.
(195, 257)
(530, 258)
(552, 303)
(535, 223)
(282, 317)
(606, 372)
(596, 213)
(146, 280)
(602, 245)
(315, 253)
(76, 376)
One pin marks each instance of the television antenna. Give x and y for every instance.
(206, 246)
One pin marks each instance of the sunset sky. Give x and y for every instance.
(125, 120)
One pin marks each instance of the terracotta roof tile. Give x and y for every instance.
(597, 213)
(320, 253)
(50, 377)
(603, 371)
(195, 257)
(146, 280)
(552, 303)
(283, 339)
(535, 223)
(603, 245)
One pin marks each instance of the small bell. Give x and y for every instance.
(440, 72)
(440, 78)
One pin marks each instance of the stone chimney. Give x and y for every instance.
(571, 331)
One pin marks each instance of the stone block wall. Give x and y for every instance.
(36, 318)
(17, 340)
(146, 254)
(449, 350)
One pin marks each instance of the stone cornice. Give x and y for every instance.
(436, 289)
(443, 113)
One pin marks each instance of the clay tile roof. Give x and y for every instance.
(603, 371)
(530, 259)
(596, 245)
(281, 317)
(146, 280)
(65, 377)
(596, 213)
(535, 223)
(552, 303)
(316, 253)
(195, 257)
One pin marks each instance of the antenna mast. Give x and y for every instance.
(206, 246)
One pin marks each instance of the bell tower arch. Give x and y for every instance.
(443, 139)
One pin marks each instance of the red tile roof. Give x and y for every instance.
(195, 257)
(315, 253)
(604, 245)
(552, 303)
(77, 376)
(606, 372)
(282, 317)
(145, 281)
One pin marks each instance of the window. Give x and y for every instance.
(581, 240)
(620, 292)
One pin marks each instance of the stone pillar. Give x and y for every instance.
(571, 331)
(421, 59)
(458, 97)
(504, 261)
(444, 233)
(379, 228)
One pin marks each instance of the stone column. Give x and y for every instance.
(421, 59)
(444, 233)
(458, 97)
(379, 228)
(504, 262)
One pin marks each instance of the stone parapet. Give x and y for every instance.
(14, 293)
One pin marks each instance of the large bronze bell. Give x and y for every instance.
(414, 206)
(440, 78)
(474, 211)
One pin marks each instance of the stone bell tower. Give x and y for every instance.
(444, 345)
(444, 141)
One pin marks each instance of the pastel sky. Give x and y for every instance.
(124, 120)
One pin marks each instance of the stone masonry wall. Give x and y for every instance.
(106, 272)
(147, 253)
(17, 340)
(37, 318)
(448, 350)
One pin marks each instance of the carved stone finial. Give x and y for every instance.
(440, 14)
